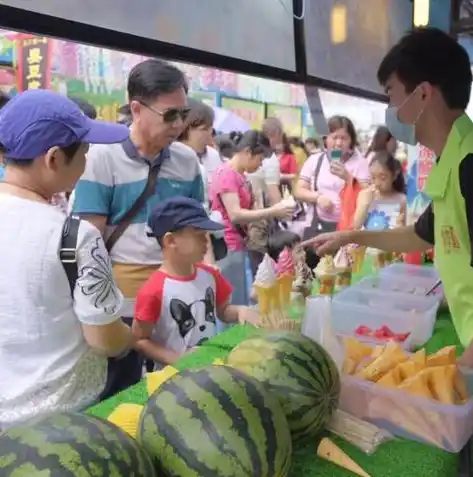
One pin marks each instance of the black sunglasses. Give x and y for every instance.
(170, 115)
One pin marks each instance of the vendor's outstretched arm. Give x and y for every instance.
(401, 239)
(419, 236)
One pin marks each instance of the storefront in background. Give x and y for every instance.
(99, 75)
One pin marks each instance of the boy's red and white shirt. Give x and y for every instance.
(183, 310)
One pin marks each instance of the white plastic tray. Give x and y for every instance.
(354, 306)
(413, 278)
(424, 420)
(399, 283)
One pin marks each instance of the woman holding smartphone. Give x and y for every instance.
(325, 174)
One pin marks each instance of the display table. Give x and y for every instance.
(398, 458)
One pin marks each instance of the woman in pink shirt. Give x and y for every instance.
(230, 194)
(325, 174)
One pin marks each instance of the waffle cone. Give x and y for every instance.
(285, 288)
(344, 277)
(329, 451)
(268, 298)
(327, 284)
(358, 256)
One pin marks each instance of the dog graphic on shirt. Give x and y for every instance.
(196, 321)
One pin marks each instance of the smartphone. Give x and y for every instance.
(335, 154)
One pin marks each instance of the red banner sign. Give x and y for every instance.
(33, 62)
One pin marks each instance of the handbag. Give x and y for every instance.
(348, 200)
(318, 226)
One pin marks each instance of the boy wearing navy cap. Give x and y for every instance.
(176, 309)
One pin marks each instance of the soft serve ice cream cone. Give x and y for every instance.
(288, 199)
(266, 287)
(285, 276)
(357, 253)
(302, 283)
(343, 265)
(326, 274)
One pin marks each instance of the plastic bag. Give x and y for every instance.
(317, 325)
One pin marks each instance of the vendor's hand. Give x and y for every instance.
(250, 316)
(329, 242)
(338, 169)
(282, 211)
(325, 203)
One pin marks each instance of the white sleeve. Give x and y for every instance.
(271, 170)
(97, 299)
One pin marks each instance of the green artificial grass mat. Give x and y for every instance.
(397, 458)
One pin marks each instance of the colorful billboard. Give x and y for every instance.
(290, 116)
(250, 111)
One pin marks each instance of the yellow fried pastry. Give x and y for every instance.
(356, 350)
(390, 357)
(349, 366)
(392, 379)
(417, 385)
(443, 357)
(440, 382)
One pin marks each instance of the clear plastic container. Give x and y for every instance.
(414, 278)
(424, 420)
(398, 283)
(354, 307)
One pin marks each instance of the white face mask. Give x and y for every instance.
(403, 132)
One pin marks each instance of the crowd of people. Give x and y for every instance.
(125, 245)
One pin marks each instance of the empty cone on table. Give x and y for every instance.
(329, 451)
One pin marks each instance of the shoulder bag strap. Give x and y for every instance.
(317, 168)
(68, 250)
(126, 220)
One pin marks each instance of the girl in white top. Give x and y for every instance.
(383, 204)
(53, 343)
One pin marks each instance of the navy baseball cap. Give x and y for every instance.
(177, 213)
(35, 121)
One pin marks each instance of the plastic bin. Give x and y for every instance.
(399, 283)
(356, 306)
(414, 271)
(424, 420)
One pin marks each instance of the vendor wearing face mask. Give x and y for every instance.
(428, 96)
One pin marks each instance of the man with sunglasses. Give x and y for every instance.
(116, 177)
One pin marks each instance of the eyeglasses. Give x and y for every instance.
(170, 115)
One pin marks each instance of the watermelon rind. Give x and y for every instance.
(216, 422)
(71, 445)
(299, 372)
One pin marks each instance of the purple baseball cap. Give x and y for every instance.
(35, 121)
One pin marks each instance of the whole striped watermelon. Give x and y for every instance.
(299, 372)
(216, 422)
(71, 445)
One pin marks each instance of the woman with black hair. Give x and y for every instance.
(382, 140)
(231, 195)
(383, 204)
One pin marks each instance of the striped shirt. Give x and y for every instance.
(114, 178)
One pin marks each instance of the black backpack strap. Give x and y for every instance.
(68, 250)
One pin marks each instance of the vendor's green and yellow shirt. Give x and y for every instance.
(448, 223)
